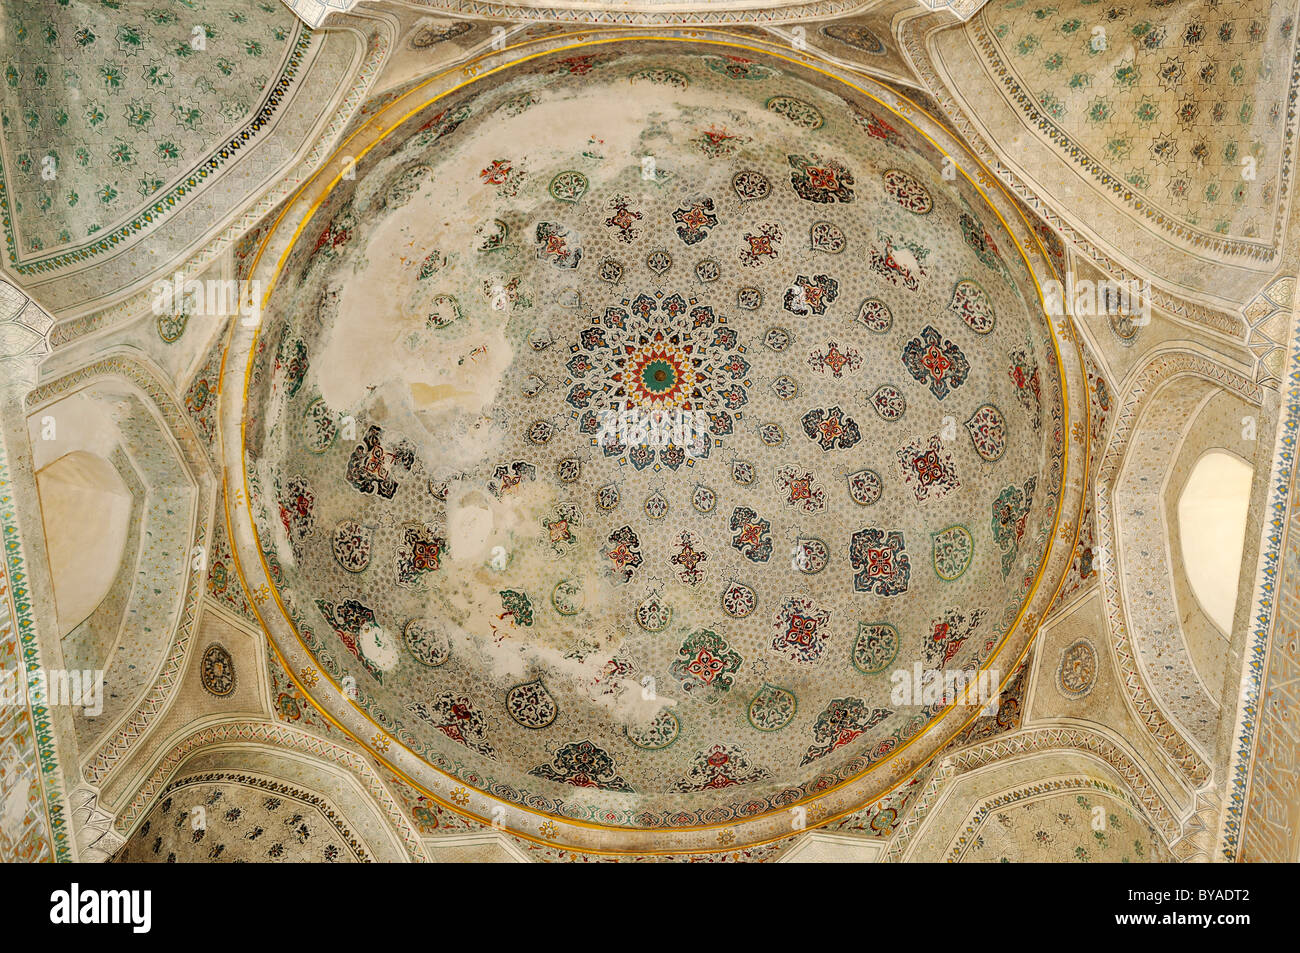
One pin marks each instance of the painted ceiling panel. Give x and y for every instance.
(1163, 129)
(421, 561)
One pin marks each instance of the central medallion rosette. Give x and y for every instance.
(656, 356)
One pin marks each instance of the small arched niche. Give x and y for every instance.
(86, 513)
(1212, 524)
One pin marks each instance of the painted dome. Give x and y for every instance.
(841, 457)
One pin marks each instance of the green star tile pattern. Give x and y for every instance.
(1182, 105)
(107, 106)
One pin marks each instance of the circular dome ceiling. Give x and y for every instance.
(608, 618)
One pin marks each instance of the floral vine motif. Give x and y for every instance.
(936, 362)
(706, 665)
(843, 720)
(820, 180)
(370, 468)
(458, 718)
(721, 766)
(625, 554)
(694, 220)
(753, 538)
(879, 561)
(948, 633)
(584, 765)
(830, 428)
(1010, 514)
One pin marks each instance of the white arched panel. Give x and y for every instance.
(1212, 522)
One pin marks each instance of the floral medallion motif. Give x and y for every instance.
(217, 670)
(864, 487)
(810, 555)
(856, 36)
(1029, 388)
(811, 295)
(1077, 673)
(320, 427)
(772, 708)
(653, 614)
(568, 598)
(694, 220)
(753, 534)
(820, 180)
(801, 631)
(831, 429)
(568, 186)
(908, 192)
(739, 600)
(888, 402)
(721, 766)
(980, 241)
(988, 432)
(420, 552)
(876, 647)
(875, 316)
(760, 246)
(297, 506)
(371, 467)
(624, 554)
(427, 642)
(1010, 514)
(800, 113)
(831, 358)
(355, 625)
(658, 353)
(971, 304)
(948, 633)
(656, 734)
(936, 362)
(557, 245)
(706, 665)
(879, 562)
(689, 560)
(352, 544)
(927, 468)
(953, 550)
(531, 705)
(800, 489)
(750, 186)
(843, 721)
